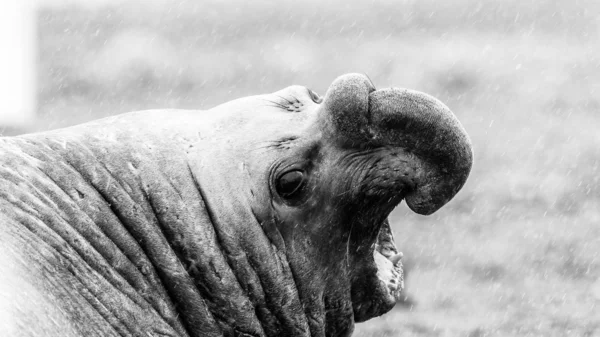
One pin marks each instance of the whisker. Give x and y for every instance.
(274, 106)
(277, 104)
(348, 191)
(370, 80)
(296, 98)
(283, 98)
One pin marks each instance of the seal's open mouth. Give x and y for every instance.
(380, 283)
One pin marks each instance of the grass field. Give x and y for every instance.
(517, 252)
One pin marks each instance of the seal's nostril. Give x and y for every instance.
(314, 96)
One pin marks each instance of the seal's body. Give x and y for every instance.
(264, 216)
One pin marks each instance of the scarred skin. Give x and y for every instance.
(175, 223)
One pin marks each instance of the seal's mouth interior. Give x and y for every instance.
(388, 261)
(384, 187)
(378, 285)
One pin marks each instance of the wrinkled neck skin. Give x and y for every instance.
(180, 217)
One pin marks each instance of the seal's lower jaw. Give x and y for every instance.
(384, 278)
(388, 283)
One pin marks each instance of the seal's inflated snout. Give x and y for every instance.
(424, 128)
(427, 128)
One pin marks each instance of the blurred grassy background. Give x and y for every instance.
(517, 252)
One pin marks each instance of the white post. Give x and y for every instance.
(17, 63)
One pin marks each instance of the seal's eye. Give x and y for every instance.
(314, 96)
(290, 184)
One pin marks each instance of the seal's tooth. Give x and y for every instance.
(396, 258)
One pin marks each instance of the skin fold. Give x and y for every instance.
(264, 216)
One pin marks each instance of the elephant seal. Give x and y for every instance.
(264, 216)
